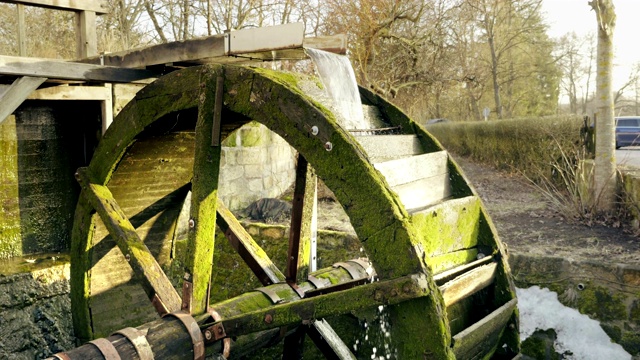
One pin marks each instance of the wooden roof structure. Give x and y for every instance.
(22, 76)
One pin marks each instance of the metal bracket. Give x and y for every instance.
(106, 348)
(187, 294)
(139, 341)
(318, 282)
(193, 329)
(160, 307)
(296, 288)
(355, 274)
(275, 299)
(218, 331)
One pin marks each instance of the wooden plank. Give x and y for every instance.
(468, 283)
(410, 169)
(99, 6)
(144, 265)
(86, 36)
(423, 193)
(449, 226)
(17, 93)
(382, 148)
(483, 336)
(65, 70)
(328, 341)
(445, 263)
(71, 93)
(442, 277)
(252, 254)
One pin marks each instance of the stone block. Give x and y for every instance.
(254, 171)
(255, 185)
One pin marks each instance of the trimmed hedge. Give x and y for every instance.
(530, 146)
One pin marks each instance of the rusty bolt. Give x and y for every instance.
(192, 223)
(208, 335)
(314, 130)
(328, 146)
(127, 257)
(378, 296)
(220, 330)
(268, 319)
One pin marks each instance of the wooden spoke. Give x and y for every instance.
(298, 255)
(252, 254)
(328, 341)
(204, 199)
(144, 265)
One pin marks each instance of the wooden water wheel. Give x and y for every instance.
(439, 267)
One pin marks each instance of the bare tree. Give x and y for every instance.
(605, 159)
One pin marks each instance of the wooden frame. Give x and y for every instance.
(97, 6)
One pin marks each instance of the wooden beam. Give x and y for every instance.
(328, 341)
(100, 93)
(17, 93)
(483, 335)
(214, 48)
(65, 70)
(99, 6)
(252, 254)
(145, 267)
(298, 255)
(468, 283)
(198, 259)
(333, 43)
(86, 36)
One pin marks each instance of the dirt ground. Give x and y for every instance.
(528, 225)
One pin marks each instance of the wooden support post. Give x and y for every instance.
(86, 37)
(106, 107)
(18, 92)
(300, 231)
(204, 199)
(145, 267)
(252, 254)
(22, 36)
(328, 341)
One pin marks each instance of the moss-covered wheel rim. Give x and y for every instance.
(270, 98)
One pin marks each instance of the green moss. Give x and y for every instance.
(634, 314)
(540, 346)
(631, 342)
(10, 227)
(614, 332)
(602, 303)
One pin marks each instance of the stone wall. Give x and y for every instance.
(256, 163)
(42, 146)
(35, 312)
(605, 292)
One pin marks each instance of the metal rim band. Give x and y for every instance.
(226, 342)
(139, 341)
(193, 329)
(106, 348)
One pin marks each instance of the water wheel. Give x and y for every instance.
(439, 267)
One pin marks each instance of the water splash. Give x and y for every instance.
(339, 80)
(375, 341)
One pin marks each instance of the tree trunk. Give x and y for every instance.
(605, 161)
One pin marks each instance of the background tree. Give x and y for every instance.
(605, 160)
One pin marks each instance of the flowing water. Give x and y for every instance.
(339, 80)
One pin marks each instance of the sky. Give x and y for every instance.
(564, 16)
